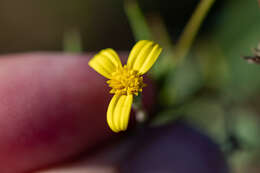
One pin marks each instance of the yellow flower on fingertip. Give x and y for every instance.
(125, 81)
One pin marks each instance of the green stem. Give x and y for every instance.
(191, 29)
(137, 20)
(72, 42)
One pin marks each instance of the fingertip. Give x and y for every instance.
(53, 106)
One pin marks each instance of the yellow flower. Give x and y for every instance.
(126, 80)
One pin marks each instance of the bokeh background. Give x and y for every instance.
(214, 89)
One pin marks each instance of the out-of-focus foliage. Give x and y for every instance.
(237, 32)
(215, 89)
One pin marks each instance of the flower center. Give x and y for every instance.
(126, 81)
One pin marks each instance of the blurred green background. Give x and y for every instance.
(213, 89)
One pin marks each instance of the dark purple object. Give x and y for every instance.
(175, 148)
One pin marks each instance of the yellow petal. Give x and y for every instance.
(110, 112)
(126, 112)
(134, 53)
(119, 111)
(150, 60)
(143, 56)
(105, 62)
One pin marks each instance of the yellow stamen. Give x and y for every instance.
(126, 81)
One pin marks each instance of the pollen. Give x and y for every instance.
(126, 81)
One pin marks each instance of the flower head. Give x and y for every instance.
(125, 81)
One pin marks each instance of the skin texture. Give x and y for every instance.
(52, 106)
